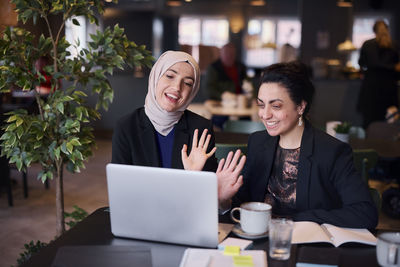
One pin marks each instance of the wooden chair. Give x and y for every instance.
(243, 126)
(223, 149)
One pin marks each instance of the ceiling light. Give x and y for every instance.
(346, 46)
(344, 3)
(257, 3)
(174, 3)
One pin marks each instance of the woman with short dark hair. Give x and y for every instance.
(304, 173)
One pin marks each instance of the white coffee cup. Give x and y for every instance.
(388, 249)
(254, 217)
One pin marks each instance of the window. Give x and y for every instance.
(78, 36)
(362, 31)
(267, 41)
(206, 31)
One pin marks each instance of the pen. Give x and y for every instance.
(327, 232)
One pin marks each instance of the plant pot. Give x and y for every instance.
(344, 137)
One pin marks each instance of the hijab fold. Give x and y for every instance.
(162, 120)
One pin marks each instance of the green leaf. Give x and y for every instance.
(20, 132)
(70, 148)
(76, 22)
(12, 118)
(64, 148)
(26, 15)
(75, 142)
(11, 127)
(19, 121)
(57, 153)
(18, 163)
(39, 136)
(60, 107)
(43, 177)
(11, 140)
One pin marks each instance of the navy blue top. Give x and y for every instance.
(165, 144)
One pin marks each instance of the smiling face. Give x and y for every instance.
(277, 110)
(174, 86)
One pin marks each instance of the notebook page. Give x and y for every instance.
(343, 235)
(308, 232)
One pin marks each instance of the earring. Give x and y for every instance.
(300, 120)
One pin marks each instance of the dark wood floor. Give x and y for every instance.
(34, 218)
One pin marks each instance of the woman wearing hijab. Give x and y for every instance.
(162, 132)
(304, 173)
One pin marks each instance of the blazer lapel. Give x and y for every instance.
(149, 142)
(181, 137)
(266, 157)
(304, 169)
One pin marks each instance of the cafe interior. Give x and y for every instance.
(325, 35)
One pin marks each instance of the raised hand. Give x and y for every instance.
(198, 155)
(228, 172)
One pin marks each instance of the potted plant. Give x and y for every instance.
(342, 131)
(59, 134)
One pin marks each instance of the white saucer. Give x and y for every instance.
(237, 230)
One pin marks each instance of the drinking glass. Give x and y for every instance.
(280, 238)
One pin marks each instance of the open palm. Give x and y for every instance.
(229, 178)
(198, 155)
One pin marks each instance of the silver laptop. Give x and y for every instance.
(160, 204)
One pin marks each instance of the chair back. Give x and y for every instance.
(243, 126)
(383, 130)
(376, 197)
(223, 149)
(365, 160)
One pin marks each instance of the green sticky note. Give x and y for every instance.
(243, 261)
(232, 250)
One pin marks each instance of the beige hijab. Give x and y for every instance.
(162, 120)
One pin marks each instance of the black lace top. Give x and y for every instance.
(281, 191)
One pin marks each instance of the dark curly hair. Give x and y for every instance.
(295, 77)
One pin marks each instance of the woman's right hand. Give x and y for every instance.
(228, 172)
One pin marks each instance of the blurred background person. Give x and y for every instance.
(224, 75)
(379, 62)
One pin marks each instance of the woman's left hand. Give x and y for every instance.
(198, 155)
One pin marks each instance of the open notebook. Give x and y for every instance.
(311, 232)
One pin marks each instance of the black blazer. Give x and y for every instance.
(329, 189)
(134, 140)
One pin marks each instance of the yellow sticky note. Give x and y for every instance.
(232, 250)
(243, 261)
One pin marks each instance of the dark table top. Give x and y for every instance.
(96, 230)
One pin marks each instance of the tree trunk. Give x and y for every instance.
(60, 225)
